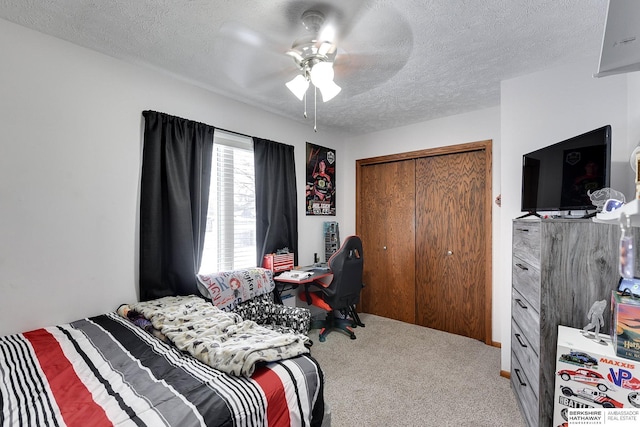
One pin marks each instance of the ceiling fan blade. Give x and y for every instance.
(250, 57)
(361, 73)
(369, 57)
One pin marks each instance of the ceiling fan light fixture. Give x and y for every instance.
(321, 73)
(298, 86)
(329, 90)
(314, 55)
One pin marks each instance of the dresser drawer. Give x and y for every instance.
(524, 350)
(526, 241)
(526, 279)
(527, 400)
(528, 320)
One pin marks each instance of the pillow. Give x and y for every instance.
(226, 289)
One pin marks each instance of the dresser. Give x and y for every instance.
(560, 268)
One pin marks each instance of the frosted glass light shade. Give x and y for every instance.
(322, 77)
(321, 73)
(329, 90)
(298, 86)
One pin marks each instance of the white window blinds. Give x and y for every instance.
(230, 240)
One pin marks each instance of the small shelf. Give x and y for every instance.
(632, 209)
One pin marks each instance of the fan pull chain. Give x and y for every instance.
(315, 108)
(305, 105)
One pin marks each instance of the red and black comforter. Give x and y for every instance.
(104, 371)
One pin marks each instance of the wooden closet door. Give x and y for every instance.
(387, 198)
(451, 243)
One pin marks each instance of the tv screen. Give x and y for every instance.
(558, 177)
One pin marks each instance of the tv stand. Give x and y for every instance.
(531, 213)
(586, 215)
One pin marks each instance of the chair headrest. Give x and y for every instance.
(350, 248)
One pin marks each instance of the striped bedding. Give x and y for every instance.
(104, 371)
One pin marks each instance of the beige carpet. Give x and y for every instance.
(397, 374)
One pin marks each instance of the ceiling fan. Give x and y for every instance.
(332, 46)
(314, 55)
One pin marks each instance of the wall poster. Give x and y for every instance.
(321, 180)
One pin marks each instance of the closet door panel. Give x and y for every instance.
(388, 238)
(450, 243)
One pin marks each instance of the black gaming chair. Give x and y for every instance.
(342, 293)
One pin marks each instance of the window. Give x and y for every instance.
(230, 236)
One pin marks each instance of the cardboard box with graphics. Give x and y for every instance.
(589, 374)
(625, 312)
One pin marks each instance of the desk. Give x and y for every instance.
(316, 274)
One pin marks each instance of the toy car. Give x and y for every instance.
(579, 358)
(592, 395)
(585, 376)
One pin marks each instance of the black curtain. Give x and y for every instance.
(174, 194)
(276, 201)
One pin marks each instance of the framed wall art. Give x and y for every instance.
(321, 180)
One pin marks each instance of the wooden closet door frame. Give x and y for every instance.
(484, 146)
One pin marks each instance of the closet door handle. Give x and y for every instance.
(522, 267)
(522, 343)
(520, 303)
(517, 371)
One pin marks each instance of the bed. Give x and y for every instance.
(107, 370)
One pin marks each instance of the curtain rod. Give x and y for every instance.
(182, 118)
(235, 133)
(214, 127)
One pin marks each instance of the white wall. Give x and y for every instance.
(459, 129)
(547, 107)
(71, 135)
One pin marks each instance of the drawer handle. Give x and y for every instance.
(520, 303)
(522, 343)
(526, 230)
(522, 267)
(517, 371)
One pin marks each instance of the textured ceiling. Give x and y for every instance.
(399, 62)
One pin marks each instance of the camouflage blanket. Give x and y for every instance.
(218, 338)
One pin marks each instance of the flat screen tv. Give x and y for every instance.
(558, 177)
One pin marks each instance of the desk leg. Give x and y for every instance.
(277, 298)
